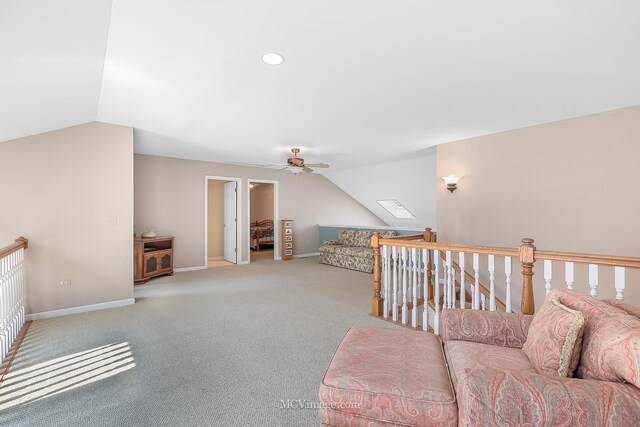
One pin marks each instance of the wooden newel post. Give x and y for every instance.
(23, 241)
(376, 302)
(527, 258)
(429, 237)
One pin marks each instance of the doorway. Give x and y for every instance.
(262, 211)
(222, 200)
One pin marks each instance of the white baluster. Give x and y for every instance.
(492, 282)
(436, 292)
(3, 298)
(404, 286)
(548, 272)
(568, 274)
(593, 280)
(449, 281)
(385, 282)
(394, 307)
(507, 273)
(414, 309)
(483, 301)
(476, 288)
(463, 289)
(619, 282)
(425, 292)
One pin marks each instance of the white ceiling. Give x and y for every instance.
(51, 58)
(363, 82)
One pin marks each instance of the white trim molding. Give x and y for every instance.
(307, 255)
(79, 309)
(184, 269)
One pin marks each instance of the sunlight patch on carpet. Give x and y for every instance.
(64, 373)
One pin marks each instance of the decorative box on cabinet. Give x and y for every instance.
(286, 241)
(152, 257)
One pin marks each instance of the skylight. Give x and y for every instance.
(396, 209)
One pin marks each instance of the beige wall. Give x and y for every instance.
(215, 222)
(70, 192)
(261, 205)
(170, 199)
(572, 185)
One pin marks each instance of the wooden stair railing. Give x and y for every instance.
(12, 299)
(410, 269)
(470, 279)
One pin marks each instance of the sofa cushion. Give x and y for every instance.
(628, 308)
(511, 398)
(554, 340)
(465, 355)
(387, 234)
(391, 376)
(487, 327)
(362, 238)
(611, 341)
(348, 237)
(353, 251)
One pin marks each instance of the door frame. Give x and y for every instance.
(276, 223)
(238, 217)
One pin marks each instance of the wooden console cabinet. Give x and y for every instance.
(152, 257)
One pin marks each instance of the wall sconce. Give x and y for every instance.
(451, 181)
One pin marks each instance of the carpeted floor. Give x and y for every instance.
(224, 346)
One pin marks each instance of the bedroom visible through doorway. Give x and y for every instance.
(263, 220)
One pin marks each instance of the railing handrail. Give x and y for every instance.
(609, 260)
(20, 243)
(577, 257)
(449, 247)
(405, 237)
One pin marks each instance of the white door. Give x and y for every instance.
(230, 228)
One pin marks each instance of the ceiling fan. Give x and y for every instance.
(295, 164)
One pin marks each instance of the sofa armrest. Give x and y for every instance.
(331, 242)
(492, 398)
(486, 327)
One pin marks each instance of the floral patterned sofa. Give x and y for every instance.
(575, 363)
(352, 250)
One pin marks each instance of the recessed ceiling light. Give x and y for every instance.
(272, 58)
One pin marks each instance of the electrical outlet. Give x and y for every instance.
(64, 283)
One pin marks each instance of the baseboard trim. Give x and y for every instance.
(183, 269)
(215, 258)
(79, 309)
(307, 255)
(243, 262)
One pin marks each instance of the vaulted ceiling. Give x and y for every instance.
(364, 81)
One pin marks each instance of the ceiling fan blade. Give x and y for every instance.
(317, 165)
(306, 169)
(254, 165)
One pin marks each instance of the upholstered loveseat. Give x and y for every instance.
(493, 368)
(352, 250)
